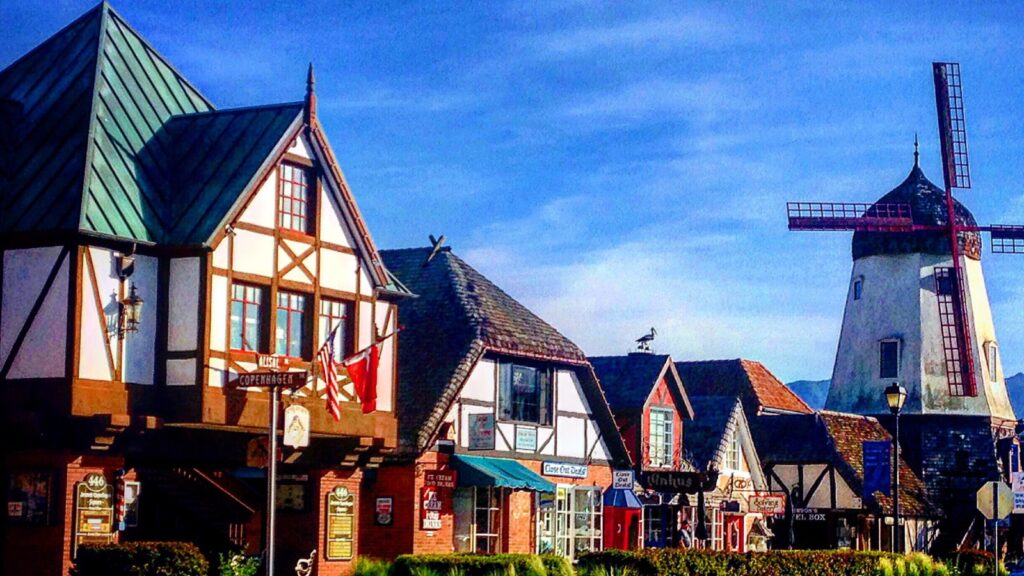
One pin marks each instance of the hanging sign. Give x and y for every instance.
(564, 469)
(685, 482)
(440, 478)
(430, 508)
(383, 511)
(94, 511)
(341, 508)
(481, 431)
(296, 426)
(877, 466)
(767, 504)
(623, 479)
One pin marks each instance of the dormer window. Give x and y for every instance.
(524, 393)
(294, 205)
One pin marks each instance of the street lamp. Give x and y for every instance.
(895, 396)
(131, 312)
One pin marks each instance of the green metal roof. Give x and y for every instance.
(498, 472)
(116, 142)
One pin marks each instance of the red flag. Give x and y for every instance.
(362, 370)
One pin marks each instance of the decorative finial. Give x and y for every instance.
(310, 112)
(917, 153)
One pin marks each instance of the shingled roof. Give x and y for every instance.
(836, 438)
(758, 389)
(628, 380)
(458, 316)
(705, 439)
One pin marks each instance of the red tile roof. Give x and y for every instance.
(758, 388)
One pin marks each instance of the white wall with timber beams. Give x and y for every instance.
(321, 264)
(574, 433)
(34, 346)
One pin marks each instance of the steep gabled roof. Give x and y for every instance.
(836, 438)
(628, 380)
(758, 389)
(705, 439)
(457, 317)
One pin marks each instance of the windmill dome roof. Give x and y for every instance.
(928, 208)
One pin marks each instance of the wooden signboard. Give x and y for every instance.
(341, 511)
(94, 512)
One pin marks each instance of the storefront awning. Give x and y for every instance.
(498, 472)
(621, 498)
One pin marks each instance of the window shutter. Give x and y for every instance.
(505, 390)
(544, 404)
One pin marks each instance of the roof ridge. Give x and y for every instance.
(90, 133)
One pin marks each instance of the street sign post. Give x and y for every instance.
(995, 502)
(274, 382)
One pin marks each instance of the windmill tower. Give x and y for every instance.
(917, 311)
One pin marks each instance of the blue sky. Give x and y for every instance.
(625, 165)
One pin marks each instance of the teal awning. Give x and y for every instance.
(498, 472)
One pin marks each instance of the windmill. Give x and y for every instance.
(897, 218)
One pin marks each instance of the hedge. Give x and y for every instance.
(468, 565)
(671, 562)
(140, 559)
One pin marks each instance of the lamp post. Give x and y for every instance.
(895, 395)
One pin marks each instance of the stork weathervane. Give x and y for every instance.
(882, 217)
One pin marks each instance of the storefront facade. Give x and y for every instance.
(514, 415)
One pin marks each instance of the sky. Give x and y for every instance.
(618, 166)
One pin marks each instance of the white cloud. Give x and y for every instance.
(706, 100)
(690, 30)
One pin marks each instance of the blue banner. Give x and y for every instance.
(877, 467)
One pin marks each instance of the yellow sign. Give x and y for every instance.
(94, 512)
(341, 508)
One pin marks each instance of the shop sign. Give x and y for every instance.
(296, 426)
(808, 515)
(384, 511)
(440, 478)
(564, 469)
(767, 504)
(341, 506)
(685, 482)
(481, 431)
(94, 511)
(526, 439)
(623, 479)
(430, 508)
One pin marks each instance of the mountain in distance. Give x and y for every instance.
(815, 392)
(1015, 388)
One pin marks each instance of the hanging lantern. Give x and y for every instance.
(131, 311)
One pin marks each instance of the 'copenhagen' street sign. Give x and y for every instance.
(271, 380)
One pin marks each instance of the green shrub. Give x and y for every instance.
(237, 564)
(140, 559)
(557, 565)
(468, 565)
(671, 562)
(972, 562)
(371, 567)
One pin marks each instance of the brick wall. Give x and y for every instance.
(322, 483)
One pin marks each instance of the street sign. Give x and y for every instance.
(995, 500)
(271, 380)
(271, 362)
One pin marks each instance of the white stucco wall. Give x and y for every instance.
(42, 353)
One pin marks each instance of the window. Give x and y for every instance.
(294, 208)
(246, 314)
(992, 359)
(858, 288)
(732, 454)
(291, 325)
(478, 519)
(525, 393)
(660, 453)
(889, 359)
(332, 314)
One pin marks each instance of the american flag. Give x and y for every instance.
(326, 358)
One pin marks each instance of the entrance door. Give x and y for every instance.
(735, 539)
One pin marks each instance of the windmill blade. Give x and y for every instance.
(879, 217)
(955, 329)
(1006, 238)
(949, 104)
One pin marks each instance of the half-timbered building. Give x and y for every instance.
(653, 414)
(152, 249)
(506, 441)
